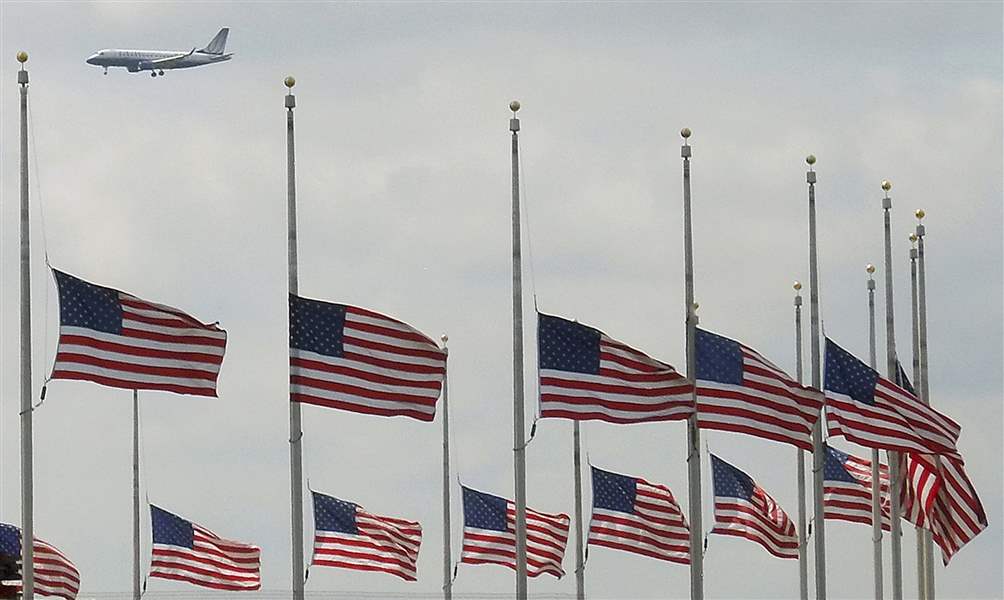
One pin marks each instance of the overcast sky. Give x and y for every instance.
(173, 189)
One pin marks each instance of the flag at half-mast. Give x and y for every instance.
(744, 509)
(633, 515)
(872, 411)
(55, 575)
(116, 339)
(739, 390)
(490, 535)
(349, 537)
(847, 489)
(587, 375)
(354, 359)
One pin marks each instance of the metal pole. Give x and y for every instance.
(803, 560)
(876, 473)
(921, 557)
(890, 336)
(519, 443)
(580, 574)
(925, 384)
(135, 496)
(818, 444)
(693, 432)
(447, 530)
(295, 428)
(27, 483)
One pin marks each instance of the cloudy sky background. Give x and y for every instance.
(174, 189)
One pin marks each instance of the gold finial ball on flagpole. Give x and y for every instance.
(290, 81)
(686, 132)
(920, 213)
(514, 105)
(444, 338)
(913, 238)
(797, 286)
(870, 268)
(886, 185)
(22, 57)
(810, 159)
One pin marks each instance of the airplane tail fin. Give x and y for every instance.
(219, 42)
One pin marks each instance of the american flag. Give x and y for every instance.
(490, 535)
(870, 410)
(184, 551)
(847, 489)
(115, 339)
(634, 515)
(739, 390)
(55, 575)
(744, 509)
(954, 513)
(587, 375)
(357, 360)
(347, 536)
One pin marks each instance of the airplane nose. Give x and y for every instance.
(92, 60)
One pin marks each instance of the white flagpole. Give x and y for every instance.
(27, 480)
(876, 473)
(519, 443)
(803, 560)
(818, 444)
(447, 530)
(921, 557)
(890, 335)
(135, 497)
(295, 427)
(693, 432)
(924, 386)
(580, 575)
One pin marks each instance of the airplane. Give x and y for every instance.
(156, 61)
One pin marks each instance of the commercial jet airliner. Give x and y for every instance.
(156, 61)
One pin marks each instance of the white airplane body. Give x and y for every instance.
(157, 61)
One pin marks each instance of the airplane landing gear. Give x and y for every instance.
(106, 70)
(160, 72)
(153, 73)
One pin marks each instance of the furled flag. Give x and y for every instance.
(116, 339)
(490, 535)
(184, 551)
(744, 509)
(953, 511)
(55, 575)
(847, 489)
(587, 375)
(347, 536)
(740, 391)
(870, 410)
(634, 515)
(357, 360)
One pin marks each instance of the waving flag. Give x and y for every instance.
(847, 489)
(346, 536)
(55, 575)
(490, 535)
(184, 551)
(870, 410)
(739, 390)
(744, 509)
(587, 375)
(115, 339)
(634, 515)
(357, 360)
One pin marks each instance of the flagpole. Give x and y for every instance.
(135, 496)
(693, 432)
(818, 444)
(580, 575)
(921, 556)
(295, 427)
(876, 474)
(803, 560)
(890, 336)
(447, 530)
(519, 444)
(925, 385)
(27, 481)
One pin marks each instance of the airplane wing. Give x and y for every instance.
(167, 63)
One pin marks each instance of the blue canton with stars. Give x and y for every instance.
(845, 374)
(171, 529)
(485, 511)
(565, 345)
(833, 468)
(718, 358)
(316, 326)
(10, 541)
(613, 491)
(730, 481)
(83, 304)
(332, 514)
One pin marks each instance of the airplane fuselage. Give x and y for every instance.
(147, 60)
